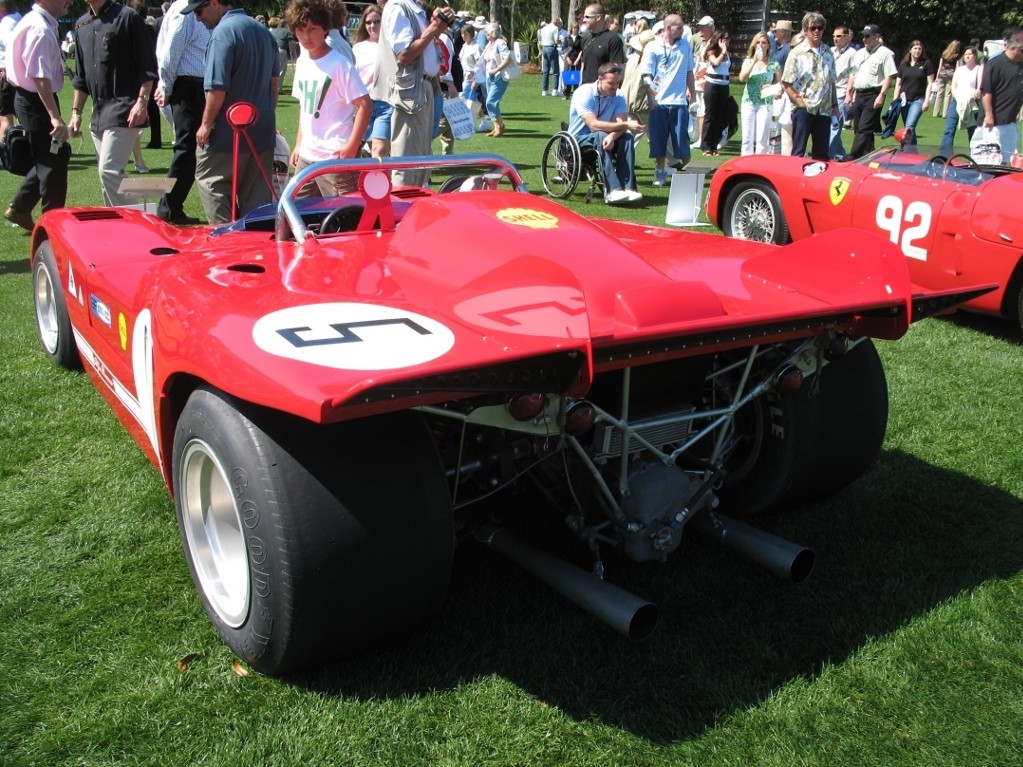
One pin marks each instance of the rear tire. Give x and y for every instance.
(300, 552)
(753, 212)
(52, 320)
(810, 446)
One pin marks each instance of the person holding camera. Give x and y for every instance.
(407, 68)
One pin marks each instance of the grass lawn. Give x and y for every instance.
(904, 648)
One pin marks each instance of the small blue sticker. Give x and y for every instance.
(101, 310)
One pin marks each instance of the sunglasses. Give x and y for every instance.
(815, 29)
(592, 15)
(612, 71)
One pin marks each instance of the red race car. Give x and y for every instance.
(333, 389)
(956, 222)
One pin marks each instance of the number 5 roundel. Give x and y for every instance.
(350, 336)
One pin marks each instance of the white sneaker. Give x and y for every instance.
(660, 177)
(634, 195)
(618, 195)
(545, 93)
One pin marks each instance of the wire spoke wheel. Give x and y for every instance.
(753, 212)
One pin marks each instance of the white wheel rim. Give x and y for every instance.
(46, 310)
(213, 531)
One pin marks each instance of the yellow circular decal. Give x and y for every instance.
(534, 219)
(122, 329)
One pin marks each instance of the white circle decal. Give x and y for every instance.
(814, 169)
(352, 336)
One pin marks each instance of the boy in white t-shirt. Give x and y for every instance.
(334, 106)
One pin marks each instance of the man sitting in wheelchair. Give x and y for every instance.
(599, 120)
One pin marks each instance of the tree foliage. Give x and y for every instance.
(935, 22)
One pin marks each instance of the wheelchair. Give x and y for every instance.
(564, 164)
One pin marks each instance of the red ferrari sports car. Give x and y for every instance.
(956, 222)
(335, 388)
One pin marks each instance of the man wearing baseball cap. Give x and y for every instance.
(872, 72)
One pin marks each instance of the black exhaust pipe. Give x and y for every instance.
(783, 558)
(626, 613)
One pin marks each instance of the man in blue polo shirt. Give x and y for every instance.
(241, 66)
(599, 119)
(667, 67)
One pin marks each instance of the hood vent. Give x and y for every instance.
(410, 193)
(98, 214)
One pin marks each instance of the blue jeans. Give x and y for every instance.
(911, 114)
(551, 63)
(808, 127)
(618, 163)
(951, 123)
(669, 122)
(835, 147)
(496, 86)
(380, 123)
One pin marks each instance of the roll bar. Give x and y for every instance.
(289, 219)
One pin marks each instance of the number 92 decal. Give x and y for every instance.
(906, 225)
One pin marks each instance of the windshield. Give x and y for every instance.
(928, 161)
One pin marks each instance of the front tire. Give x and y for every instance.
(303, 548)
(52, 320)
(753, 212)
(809, 445)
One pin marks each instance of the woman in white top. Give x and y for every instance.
(715, 93)
(468, 57)
(497, 58)
(758, 72)
(965, 94)
(367, 38)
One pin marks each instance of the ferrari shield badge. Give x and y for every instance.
(837, 190)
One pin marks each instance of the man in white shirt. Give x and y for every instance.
(873, 71)
(36, 70)
(843, 53)
(180, 56)
(550, 40)
(408, 62)
(9, 18)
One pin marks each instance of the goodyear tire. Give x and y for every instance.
(753, 211)
(300, 554)
(809, 446)
(52, 320)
